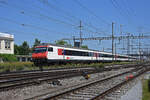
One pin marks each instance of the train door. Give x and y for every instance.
(116, 57)
(95, 55)
(51, 52)
(92, 55)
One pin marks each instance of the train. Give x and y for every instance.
(50, 54)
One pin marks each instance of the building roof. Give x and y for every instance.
(6, 36)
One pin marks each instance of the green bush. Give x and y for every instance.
(8, 57)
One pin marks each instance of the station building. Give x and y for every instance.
(6, 43)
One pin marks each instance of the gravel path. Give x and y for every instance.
(130, 91)
(135, 93)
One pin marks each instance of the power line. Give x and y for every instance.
(65, 12)
(44, 16)
(115, 37)
(121, 11)
(86, 24)
(130, 10)
(116, 7)
(62, 22)
(33, 13)
(117, 4)
(90, 11)
(40, 14)
(45, 2)
(28, 25)
(53, 19)
(65, 17)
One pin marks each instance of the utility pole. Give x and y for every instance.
(140, 46)
(74, 40)
(131, 45)
(115, 50)
(113, 40)
(128, 45)
(120, 29)
(80, 32)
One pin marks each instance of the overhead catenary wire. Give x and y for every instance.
(29, 25)
(90, 11)
(116, 7)
(87, 24)
(123, 12)
(48, 11)
(38, 14)
(67, 14)
(130, 10)
(45, 2)
(32, 14)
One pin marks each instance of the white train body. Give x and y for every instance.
(53, 53)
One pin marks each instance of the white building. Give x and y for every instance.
(6, 43)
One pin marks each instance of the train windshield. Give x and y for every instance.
(39, 50)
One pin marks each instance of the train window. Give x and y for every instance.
(105, 55)
(84, 54)
(100, 55)
(90, 54)
(39, 50)
(122, 57)
(75, 53)
(50, 49)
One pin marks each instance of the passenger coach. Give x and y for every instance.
(49, 53)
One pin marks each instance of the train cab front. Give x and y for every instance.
(39, 55)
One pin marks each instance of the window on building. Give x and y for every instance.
(7, 44)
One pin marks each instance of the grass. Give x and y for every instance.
(15, 66)
(20, 66)
(8, 57)
(146, 93)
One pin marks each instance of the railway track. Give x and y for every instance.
(94, 90)
(16, 74)
(37, 78)
(23, 74)
(10, 81)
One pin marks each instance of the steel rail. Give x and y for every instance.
(85, 86)
(102, 95)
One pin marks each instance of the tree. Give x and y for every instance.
(37, 42)
(62, 42)
(84, 46)
(22, 49)
(16, 49)
(25, 48)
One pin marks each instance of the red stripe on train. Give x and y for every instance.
(39, 55)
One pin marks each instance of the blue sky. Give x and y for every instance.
(51, 20)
